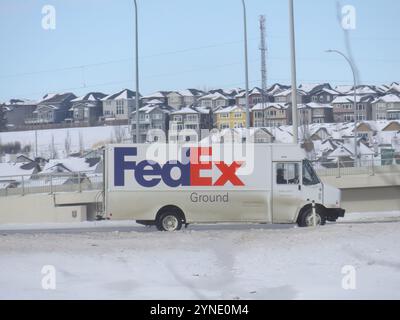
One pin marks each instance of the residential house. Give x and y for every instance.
(343, 108)
(270, 115)
(153, 123)
(54, 108)
(315, 113)
(159, 95)
(18, 111)
(230, 117)
(255, 96)
(119, 106)
(386, 107)
(88, 108)
(175, 100)
(315, 92)
(240, 135)
(215, 101)
(186, 124)
(364, 90)
(275, 89)
(324, 95)
(285, 97)
(191, 97)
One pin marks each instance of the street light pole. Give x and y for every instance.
(246, 65)
(353, 70)
(137, 74)
(294, 75)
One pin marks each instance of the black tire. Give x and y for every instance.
(304, 218)
(169, 221)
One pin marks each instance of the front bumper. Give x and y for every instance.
(334, 214)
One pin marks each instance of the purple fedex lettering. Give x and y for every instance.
(146, 168)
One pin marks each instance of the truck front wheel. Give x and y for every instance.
(306, 218)
(169, 221)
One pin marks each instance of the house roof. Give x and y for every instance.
(289, 91)
(91, 96)
(57, 97)
(157, 95)
(121, 95)
(214, 96)
(389, 98)
(264, 106)
(229, 109)
(71, 165)
(191, 93)
(314, 105)
(20, 102)
(15, 169)
(191, 110)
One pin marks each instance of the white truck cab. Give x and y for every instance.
(170, 185)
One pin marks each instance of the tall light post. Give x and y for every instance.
(353, 70)
(246, 65)
(294, 75)
(137, 74)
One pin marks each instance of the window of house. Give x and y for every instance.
(178, 118)
(120, 107)
(238, 114)
(192, 117)
(287, 173)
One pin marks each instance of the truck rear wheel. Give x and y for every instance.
(306, 218)
(169, 221)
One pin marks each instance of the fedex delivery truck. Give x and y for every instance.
(170, 185)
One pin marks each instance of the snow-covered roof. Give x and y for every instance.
(389, 98)
(315, 105)
(343, 89)
(289, 91)
(191, 110)
(122, 95)
(92, 96)
(20, 102)
(230, 109)
(70, 165)
(14, 169)
(214, 96)
(264, 106)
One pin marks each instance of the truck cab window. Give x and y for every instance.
(310, 178)
(287, 173)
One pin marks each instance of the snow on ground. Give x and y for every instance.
(89, 137)
(205, 261)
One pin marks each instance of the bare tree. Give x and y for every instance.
(52, 148)
(67, 144)
(119, 134)
(81, 143)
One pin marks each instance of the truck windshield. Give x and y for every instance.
(310, 178)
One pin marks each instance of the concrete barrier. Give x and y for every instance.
(38, 208)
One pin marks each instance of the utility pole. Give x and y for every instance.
(263, 49)
(246, 65)
(137, 75)
(294, 75)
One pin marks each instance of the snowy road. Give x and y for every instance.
(94, 261)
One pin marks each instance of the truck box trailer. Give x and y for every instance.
(170, 185)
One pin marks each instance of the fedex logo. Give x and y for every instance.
(150, 174)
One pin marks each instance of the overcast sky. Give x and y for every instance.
(187, 43)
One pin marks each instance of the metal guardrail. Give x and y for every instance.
(50, 183)
(364, 166)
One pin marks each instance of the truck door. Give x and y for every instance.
(311, 186)
(286, 191)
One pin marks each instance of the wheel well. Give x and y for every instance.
(171, 208)
(320, 209)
